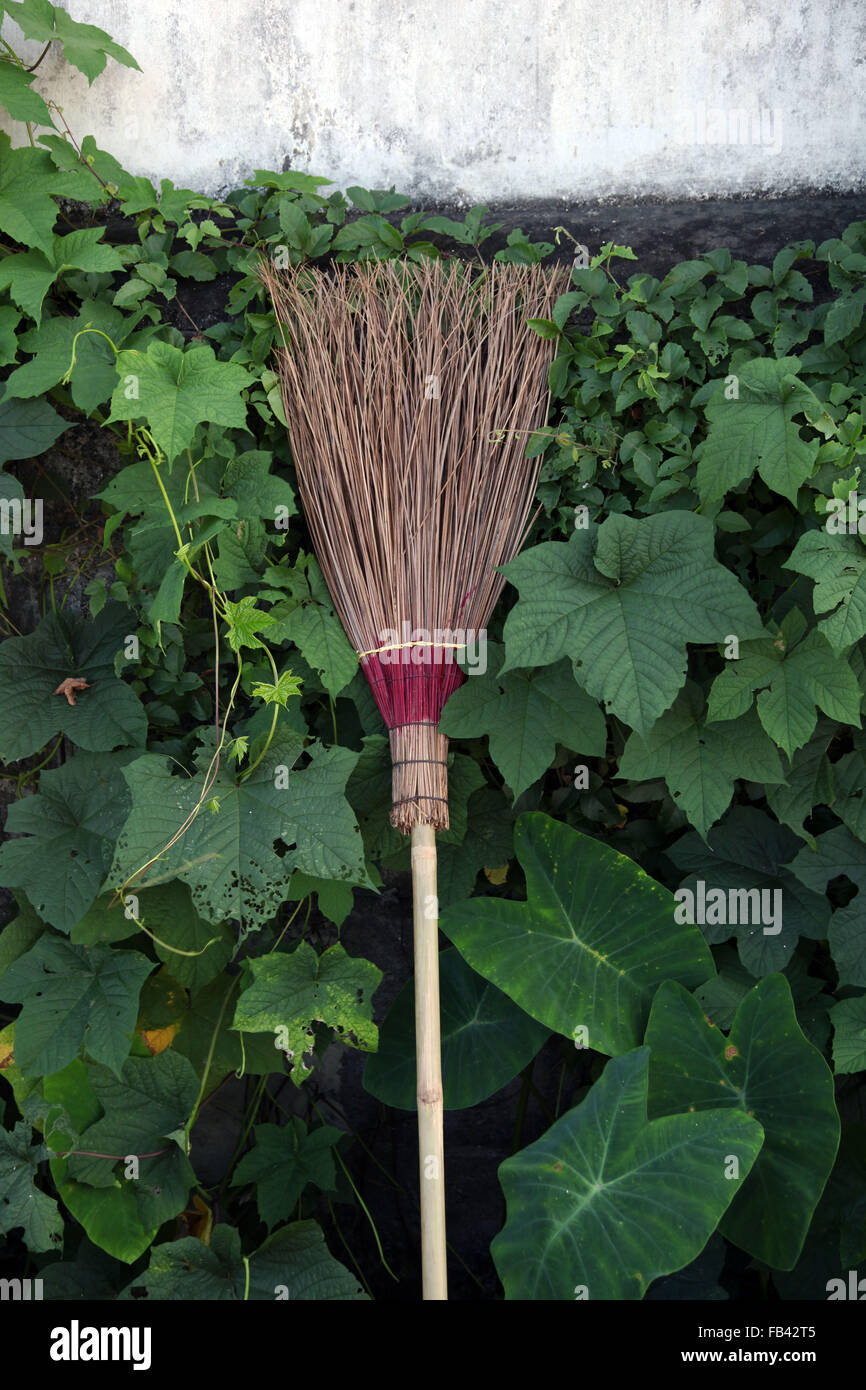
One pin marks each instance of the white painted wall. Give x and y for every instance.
(480, 100)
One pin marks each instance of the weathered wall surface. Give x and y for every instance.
(481, 100)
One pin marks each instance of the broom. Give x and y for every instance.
(410, 390)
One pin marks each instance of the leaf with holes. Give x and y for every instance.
(238, 859)
(287, 993)
(22, 1204)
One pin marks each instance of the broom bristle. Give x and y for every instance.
(410, 391)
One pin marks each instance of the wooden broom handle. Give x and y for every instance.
(431, 1152)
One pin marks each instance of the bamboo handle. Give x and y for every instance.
(431, 1152)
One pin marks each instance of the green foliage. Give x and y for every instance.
(604, 1176)
(199, 781)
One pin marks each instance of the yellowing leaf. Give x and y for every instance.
(157, 1040)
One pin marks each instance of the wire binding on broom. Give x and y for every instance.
(411, 507)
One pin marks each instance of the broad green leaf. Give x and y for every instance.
(285, 1159)
(67, 830)
(486, 1041)
(336, 899)
(174, 391)
(293, 1264)
(809, 782)
(607, 1200)
(16, 95)
(105, 715)
(22, 1204)
(697, 1281)
(849, 1035)
(308, 619)
(244, 621)
(168, 913)
(137, 1115)
(93, 375)
(700, 762)
(625, 608)
(27, 429)
(525, 713)
(228, 856)
(73, 995)
(242, 552)
(29, 275)
(795, 678)
(766, 1069)
(745, 855)
(84, 46)
(591, 943)
(837, 563)
(27, 180)
(754, 427)
(287, 993)
(207, 1025)
(257, 491)
(19, 935)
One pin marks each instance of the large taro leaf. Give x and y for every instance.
(22, 1204)
(756, 428)
(73, 995)
(590, 945)
(289, 992)
(836, 1241)
(623, 600)
(746, 853)
(700, 762)
(607, 1200)
(108, 714)
(67, 834)
(764, 1068)
(293, 1264)
(525, 714)
(121, 1207)
(243, 846)
(486, 1040)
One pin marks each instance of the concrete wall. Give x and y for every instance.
(480, 100)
